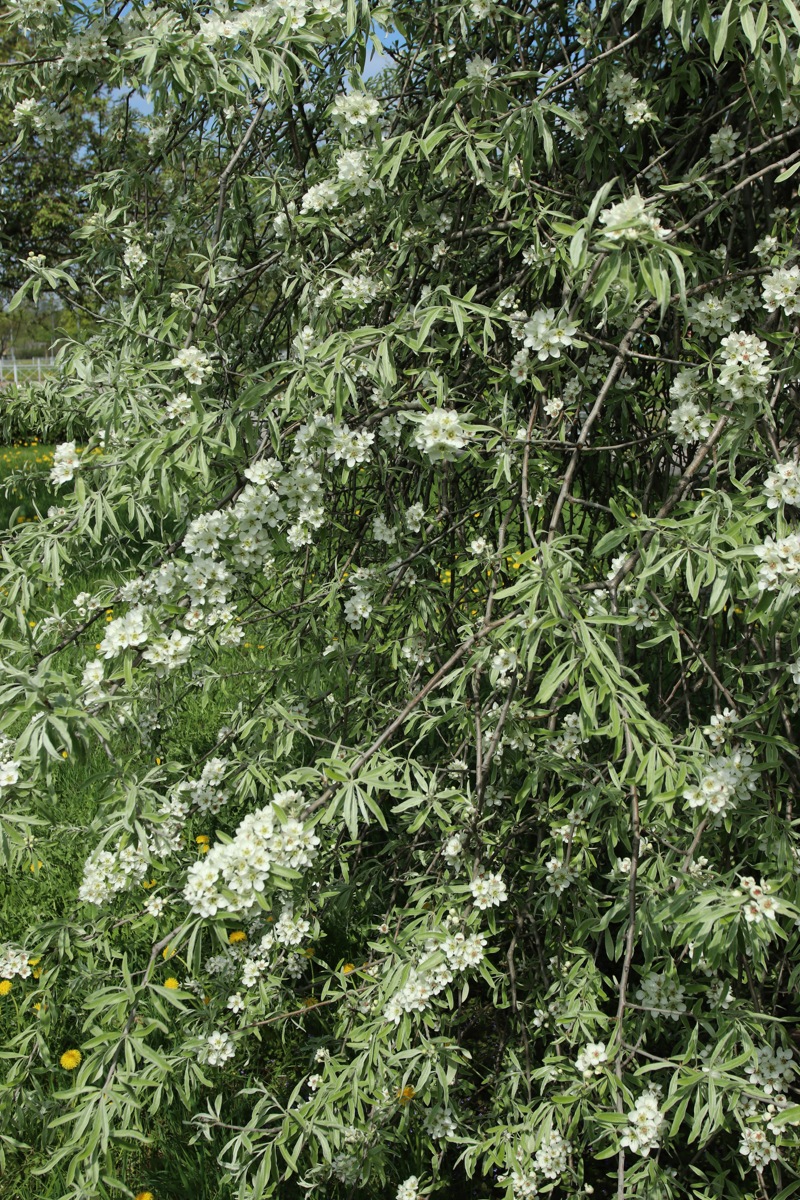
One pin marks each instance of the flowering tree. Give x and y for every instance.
(443, 456)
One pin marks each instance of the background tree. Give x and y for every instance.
(47, 156)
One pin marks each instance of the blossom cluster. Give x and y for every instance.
(552, 1157)
(757, 901)
(687, 421)
(646, 1124)
(14, 962)
(722, 144)
(712, 316)
(233, 874)
(591, 1059)
(356, 109)
(66, 461)
(780, 290)
(624, 89)
(569, 741)
(230, 25)
(106, 873)
(782, 485)
(774, 1069)
(441, 435)
(358, 606)
(561, 875)
(745, 366)
(9, 767)
(780, 564)
(205, 795)
(217, 1049)
(729, 778)
(629, 219)
(757, 1148)
(194, 363)
(720, 726)
(462, 952)
(167, 653)
(547, 333)
(488, 889)
(662, 995)
(350, 446)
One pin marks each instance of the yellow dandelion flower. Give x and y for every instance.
(148, 883)
(406, 1095)
(37, 866)
(37, 1006)
(71, 1059)
(202, 839)
(5, 986)
(348, 968)
(144, 1196)
(37, 974)
(238, 935)
(34, 962)
(309, 952)
(171, 983)
(167, 952)
(309, 1002)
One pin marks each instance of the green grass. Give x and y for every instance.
(19, 501)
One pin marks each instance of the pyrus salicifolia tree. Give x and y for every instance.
(444, 436)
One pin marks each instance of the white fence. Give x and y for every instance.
(18, 370)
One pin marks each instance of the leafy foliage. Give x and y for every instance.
(440, 451)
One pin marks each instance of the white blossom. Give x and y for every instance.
(66, 461)
(722, 144)
(629, 219)
(441, 436)
(662, 995)
(591, 1058)
(218, 1049)
(548, 334)
(781, 290)
(355, 109)
(320, 197)
(169, 653)
(481, 70)
(782, 485)
(194, 363)
(552, 1157)
(646, 1124)
(488, 890)
(124, 632)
